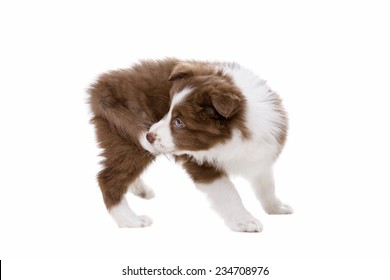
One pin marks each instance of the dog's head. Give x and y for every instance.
(206, 106)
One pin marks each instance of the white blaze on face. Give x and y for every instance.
(164, 140)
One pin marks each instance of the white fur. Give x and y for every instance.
(179, 97)
(139, 188)
(126, 218)
(238, 156)
(164, 140)
(227, 203)
(264, 187)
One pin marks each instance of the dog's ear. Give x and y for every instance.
(225, 104)
(182, 70)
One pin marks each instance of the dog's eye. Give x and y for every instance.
(178, 123)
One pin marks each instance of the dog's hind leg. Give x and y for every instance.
(139, 188)
(123, 164)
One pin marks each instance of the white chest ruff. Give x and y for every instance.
(239, 156)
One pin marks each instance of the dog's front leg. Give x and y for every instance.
(227, 203)
(264, 187)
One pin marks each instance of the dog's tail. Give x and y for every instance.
(107, 104)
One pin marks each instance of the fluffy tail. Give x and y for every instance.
(107, 103)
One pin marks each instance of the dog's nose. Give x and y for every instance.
(151, 137)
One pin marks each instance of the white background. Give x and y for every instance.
(329, 61)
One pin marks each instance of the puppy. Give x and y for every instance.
(216, 119)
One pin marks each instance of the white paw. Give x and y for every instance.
(245, 224)
(135, 222)
(278, 208)
(126, 218)
(139, 188)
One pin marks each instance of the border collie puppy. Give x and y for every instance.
(216, 119)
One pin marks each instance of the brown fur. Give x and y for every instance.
(124, 103)
(200, 173)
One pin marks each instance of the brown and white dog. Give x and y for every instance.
(216, 119)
